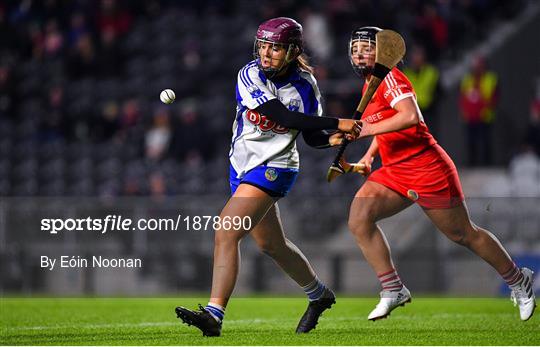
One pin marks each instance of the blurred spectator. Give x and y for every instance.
(130, 128)
(336, 108)
(8, 93)
(108, 122)
(191, 138)
(191, 57)
(532, 134)
(133, 183)
(36, 39)
(317, 34)
(54, 124)
(78, 28)
(130, 113)
(157, 185)
(425, 80)
(158, 138)
(113, 17)
(347, 15)
(110, 56)
(322, 73)
(53, 40)
(525, 173)
(50, 9)
(7, 37)
(524, 167)
(82, 62)
(131, 186)
(432, 29)
(478, 100)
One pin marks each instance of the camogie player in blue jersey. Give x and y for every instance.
(277, 98)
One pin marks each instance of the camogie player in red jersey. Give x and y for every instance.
(414, 169)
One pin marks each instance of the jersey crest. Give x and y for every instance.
(294, 105)
(271, 174)
(255, 91)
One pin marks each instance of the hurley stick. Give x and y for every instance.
(389, 50)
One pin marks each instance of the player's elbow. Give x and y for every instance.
(413, 118)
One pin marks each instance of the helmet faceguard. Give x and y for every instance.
(281, 32)
(363, 34)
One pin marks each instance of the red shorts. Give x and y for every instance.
(429, 178)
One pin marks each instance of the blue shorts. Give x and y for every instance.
(274, 181)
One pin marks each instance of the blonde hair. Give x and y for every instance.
(303, 63)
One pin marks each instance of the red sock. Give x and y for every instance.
(390, 281)
(513, 276)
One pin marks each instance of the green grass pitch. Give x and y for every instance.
(262, 321)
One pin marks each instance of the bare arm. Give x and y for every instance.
(373, 149)
(408, 114)
(364, 164)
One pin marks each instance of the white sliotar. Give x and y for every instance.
(167, 96)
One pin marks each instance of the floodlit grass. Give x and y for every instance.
(262, 321)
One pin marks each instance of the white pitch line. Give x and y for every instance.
(131, 325)
(92, 326)
(247, 321)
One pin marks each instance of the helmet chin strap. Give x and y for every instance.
(366, 71)
(292, 54)
(363, 71)
(271, 72)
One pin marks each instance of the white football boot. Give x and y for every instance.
(523, 295)
(389, 301)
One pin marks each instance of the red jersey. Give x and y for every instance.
(398, 145)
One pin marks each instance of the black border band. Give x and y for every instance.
(380, 71)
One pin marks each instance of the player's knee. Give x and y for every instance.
(225, 237)
(360, 224)
(271, 249)
(459, 236)
(466, 236)
(361, 228)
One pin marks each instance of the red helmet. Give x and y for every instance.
(283, 31)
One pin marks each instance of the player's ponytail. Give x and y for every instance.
(303, 63)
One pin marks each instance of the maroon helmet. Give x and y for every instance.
(280, 31)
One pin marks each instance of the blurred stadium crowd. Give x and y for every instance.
(80, 79)
(80, 117)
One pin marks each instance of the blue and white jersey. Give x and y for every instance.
(256, 139)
